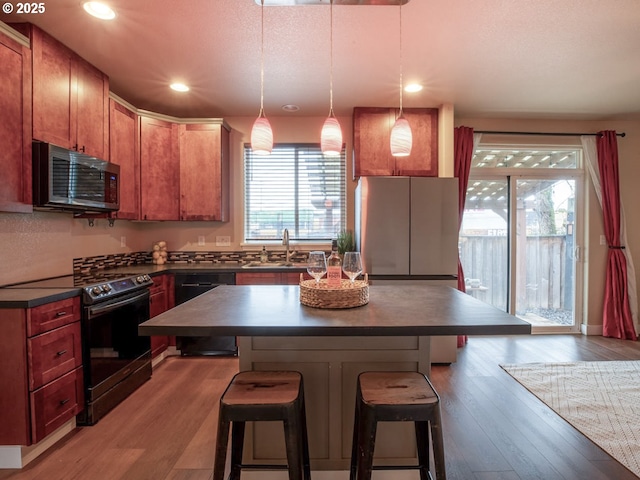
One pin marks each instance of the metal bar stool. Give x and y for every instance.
(396, 397)
(263, 396)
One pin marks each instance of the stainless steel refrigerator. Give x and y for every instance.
(407, 232)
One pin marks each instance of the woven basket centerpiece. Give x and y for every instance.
(321, 295)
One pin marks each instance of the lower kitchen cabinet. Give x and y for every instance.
(41, 380)
(162, 298)
(270, 278)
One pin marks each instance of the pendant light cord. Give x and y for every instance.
(401, 58)
(261, 59)
(330, 58)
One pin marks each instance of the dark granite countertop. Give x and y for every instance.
(275, 310)
(33, 297)
(16, 297)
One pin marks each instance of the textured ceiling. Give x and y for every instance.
(576, 59)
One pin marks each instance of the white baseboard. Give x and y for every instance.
(18, 456)
(591, 329)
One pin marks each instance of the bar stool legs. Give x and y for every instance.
(396, 396)
(263, 396)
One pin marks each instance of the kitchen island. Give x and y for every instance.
(330, 348)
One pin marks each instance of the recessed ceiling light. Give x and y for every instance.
(290, 107)
(99, 10)
(413, 87)
(179, 87)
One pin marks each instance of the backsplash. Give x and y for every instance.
(103, 262)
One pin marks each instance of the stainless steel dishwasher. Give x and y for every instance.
(190, 285)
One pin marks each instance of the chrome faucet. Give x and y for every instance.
(285, 242)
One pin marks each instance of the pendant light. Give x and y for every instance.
(261, 133)
(331, 136)
(401, 138)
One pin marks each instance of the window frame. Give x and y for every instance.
(320, 237)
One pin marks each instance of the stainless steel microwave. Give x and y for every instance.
(69, 180)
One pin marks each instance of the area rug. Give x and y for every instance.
(600, 399)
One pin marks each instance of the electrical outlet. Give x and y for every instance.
(123, 241)
(223, 241)
(200, 240)
(603, 240)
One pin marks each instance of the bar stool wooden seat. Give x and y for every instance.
(263, 396)
(396, 397)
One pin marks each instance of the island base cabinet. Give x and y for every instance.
(330, 367)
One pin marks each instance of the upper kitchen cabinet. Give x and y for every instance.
(204, 172)
(70, 98)
(372, 133)
(124, 150)
(15, 127)
(159, 170)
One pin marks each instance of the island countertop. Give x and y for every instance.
(275, 310)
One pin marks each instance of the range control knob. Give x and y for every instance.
(106, 288)
(96, 290)
(140, 279)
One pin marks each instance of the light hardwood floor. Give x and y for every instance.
(494, 429)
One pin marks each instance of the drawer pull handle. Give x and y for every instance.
(61, 352)
(62, 402)
(61, 314)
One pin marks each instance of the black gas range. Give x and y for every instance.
(116, 360)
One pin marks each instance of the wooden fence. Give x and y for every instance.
(548, 272)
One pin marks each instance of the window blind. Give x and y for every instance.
(297, 188)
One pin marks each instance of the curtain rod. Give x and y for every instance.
(553, 134)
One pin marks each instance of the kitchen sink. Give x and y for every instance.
(268, 265)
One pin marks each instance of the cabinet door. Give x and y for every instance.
(53, 83)
(92, 112)
(159, 170)
(371, 136)
(204, 172)
(259, 278)
(423, 161)
(371, 145)
(162, 299)
(70, 98)
(15, 127)
(124, 151)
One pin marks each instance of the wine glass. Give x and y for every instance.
(317, 265)
(352, 265)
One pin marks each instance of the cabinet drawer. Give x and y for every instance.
(56, 403)
(53, 315)
(53, 353)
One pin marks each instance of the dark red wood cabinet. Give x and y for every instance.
(159, 170)
(125, 151)
(41, 378)
(204, 172)
(70, 97)
(15, 127)
(162, 298)
(371, 142)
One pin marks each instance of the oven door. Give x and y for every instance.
(116, 359)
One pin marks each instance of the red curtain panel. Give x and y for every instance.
(617, 320)
(463, 153)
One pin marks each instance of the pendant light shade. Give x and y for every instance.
(401, 137)
(261, 133)
(261, 136)
(331, 135)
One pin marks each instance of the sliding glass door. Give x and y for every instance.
(518, 238)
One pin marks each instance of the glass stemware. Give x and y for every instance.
(317, 265)
(352, 265)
